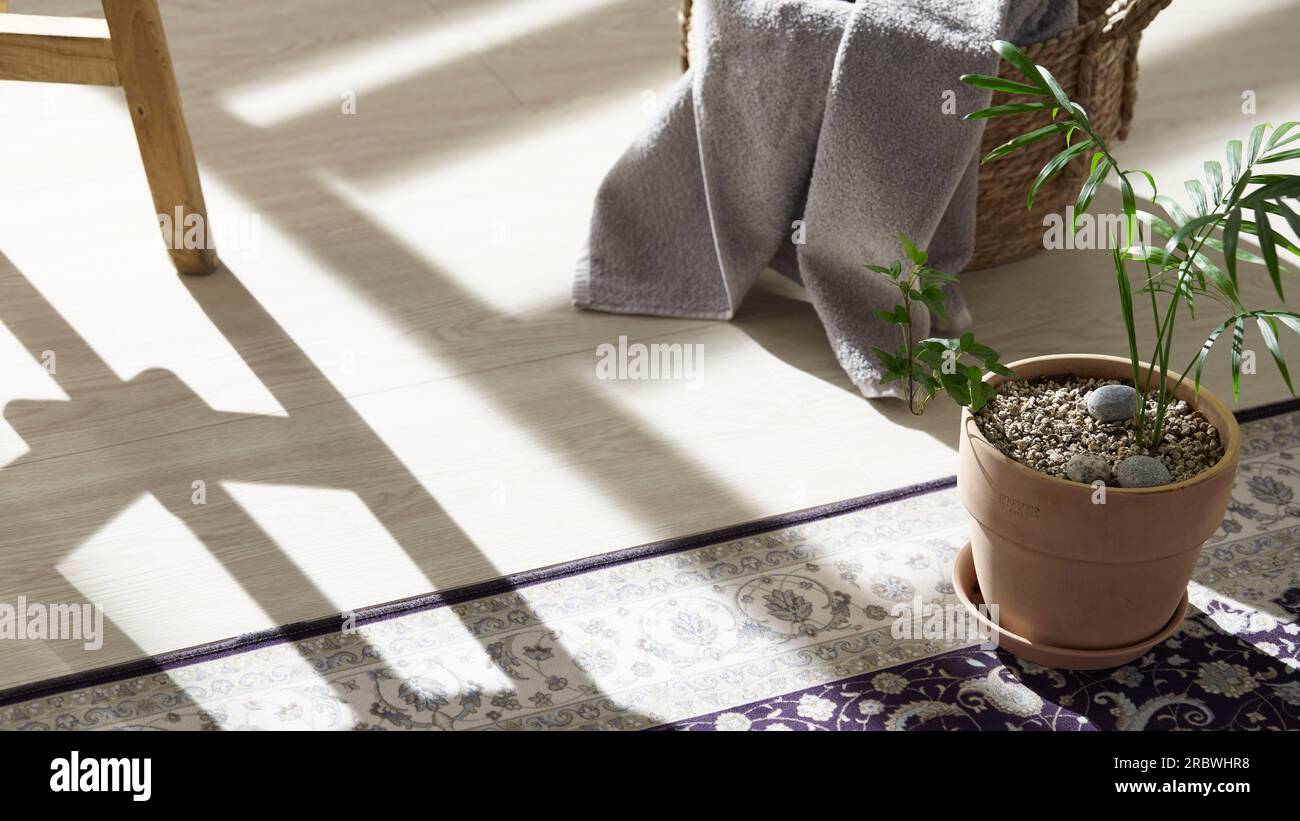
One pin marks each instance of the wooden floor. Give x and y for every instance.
(386, 392)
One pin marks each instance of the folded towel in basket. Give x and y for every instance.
(806, 135)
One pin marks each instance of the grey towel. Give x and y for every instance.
(818, 118)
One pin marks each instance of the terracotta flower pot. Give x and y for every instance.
(1067, 572)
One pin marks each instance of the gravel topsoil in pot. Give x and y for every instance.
(1043, 422)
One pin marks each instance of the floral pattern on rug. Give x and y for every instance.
(795, 624)
(625, 647)
(1228, 668)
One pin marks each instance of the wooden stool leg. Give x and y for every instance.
(144, 67)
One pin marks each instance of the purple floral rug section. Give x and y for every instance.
(1227, 668)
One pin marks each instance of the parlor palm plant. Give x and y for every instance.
(1232, 201)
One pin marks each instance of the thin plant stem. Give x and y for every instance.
(907, 345)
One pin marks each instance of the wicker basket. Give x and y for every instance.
(1096, 63)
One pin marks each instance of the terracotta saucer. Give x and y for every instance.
(967, 587)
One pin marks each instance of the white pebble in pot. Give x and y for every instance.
(1112, 403)
(1142, 471)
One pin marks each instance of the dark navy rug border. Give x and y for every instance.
(1264, 411)
(432, 601)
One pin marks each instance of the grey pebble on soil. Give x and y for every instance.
(1141, 471)
(1111, 403)
(1044, 423)
(1087, 468)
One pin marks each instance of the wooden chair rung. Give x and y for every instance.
(42, 49)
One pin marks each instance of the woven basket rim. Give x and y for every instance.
(1104, 21)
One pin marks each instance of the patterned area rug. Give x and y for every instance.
(788, 629)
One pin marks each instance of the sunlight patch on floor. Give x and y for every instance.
(299, 519)
(92, 250)
(744, 394)
(466, 449)
(1200, 593)
(476, 218)
(1181, 42)
(157, 582)
(374, 64)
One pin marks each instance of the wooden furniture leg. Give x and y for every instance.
(144, 68)
(127, 48)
